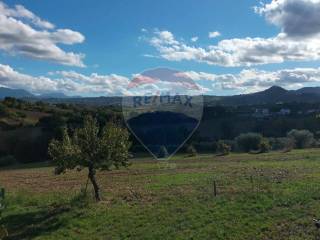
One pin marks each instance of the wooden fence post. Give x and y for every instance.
(215, 188)
(252, 185)
(2, 193)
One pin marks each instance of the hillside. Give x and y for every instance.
(272, 95)
(16, 93)
(259, 196)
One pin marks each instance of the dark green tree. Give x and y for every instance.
(191, 151)
(223, 148)
(249, 141)
(163, 152)
(301, 138)
(264, 146)
(92, 148)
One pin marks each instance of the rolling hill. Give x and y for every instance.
(272, 95)
(16, 93)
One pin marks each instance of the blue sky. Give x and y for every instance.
(112, 40)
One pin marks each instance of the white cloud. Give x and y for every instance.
(68, 82)
(112, 84)
(252, 80)
(20, 11)
(73, 83)
(238, 51)
(194, 39)
(13, 79)
(18, 37)
(214, 34)
(296, 18)
(298, 40)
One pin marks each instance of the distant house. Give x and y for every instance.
(261, 112)
(311, 111)
(265, 111)
(285, 111)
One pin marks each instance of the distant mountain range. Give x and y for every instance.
(17, 93)
(271, 95)
(21, 93)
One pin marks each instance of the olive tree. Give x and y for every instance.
(92, 148)
(223, 148)
(249, 141)
(301, 138)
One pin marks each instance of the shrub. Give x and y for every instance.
(3, 230)
(163, 152)
(3, 110)
(232, 144)
(284, 143)
(264, 146)
(205, 147)
(21, 114)
(301, 138)
(191, 151)
(8, 160)
(223, 148)
(249, 141)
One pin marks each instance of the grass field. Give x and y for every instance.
(265, 196)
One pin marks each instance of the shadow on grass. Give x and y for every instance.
(32, 224)
(22, 166)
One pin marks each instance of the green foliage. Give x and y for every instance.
(264, 146)
(10, 102)
(301, 138)
(280, 191)
(223, 148)
(205, 146)
(163, 152)
(2, 196)
(284, 143)
(27, 145)
(3, 230)
(21, 115)
(249, 141)
(7, 160)
(3, 110)
(91, 147)
(191, 151)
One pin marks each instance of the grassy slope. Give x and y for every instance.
(28, 118)
(268, 196)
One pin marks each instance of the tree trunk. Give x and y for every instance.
(92, 177)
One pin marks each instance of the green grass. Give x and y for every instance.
(266, 196)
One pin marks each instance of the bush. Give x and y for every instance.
(163, 152)
(264, 146)
(232, 144)
(3, 110)
(223, 148)
(284, 143)
(205, 147)
(249, 141)
(301, 138)
(191, 151)
(21, 114)
(8, 160)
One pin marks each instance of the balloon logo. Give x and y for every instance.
(163, 110)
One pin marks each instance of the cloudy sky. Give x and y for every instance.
(94, 48)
